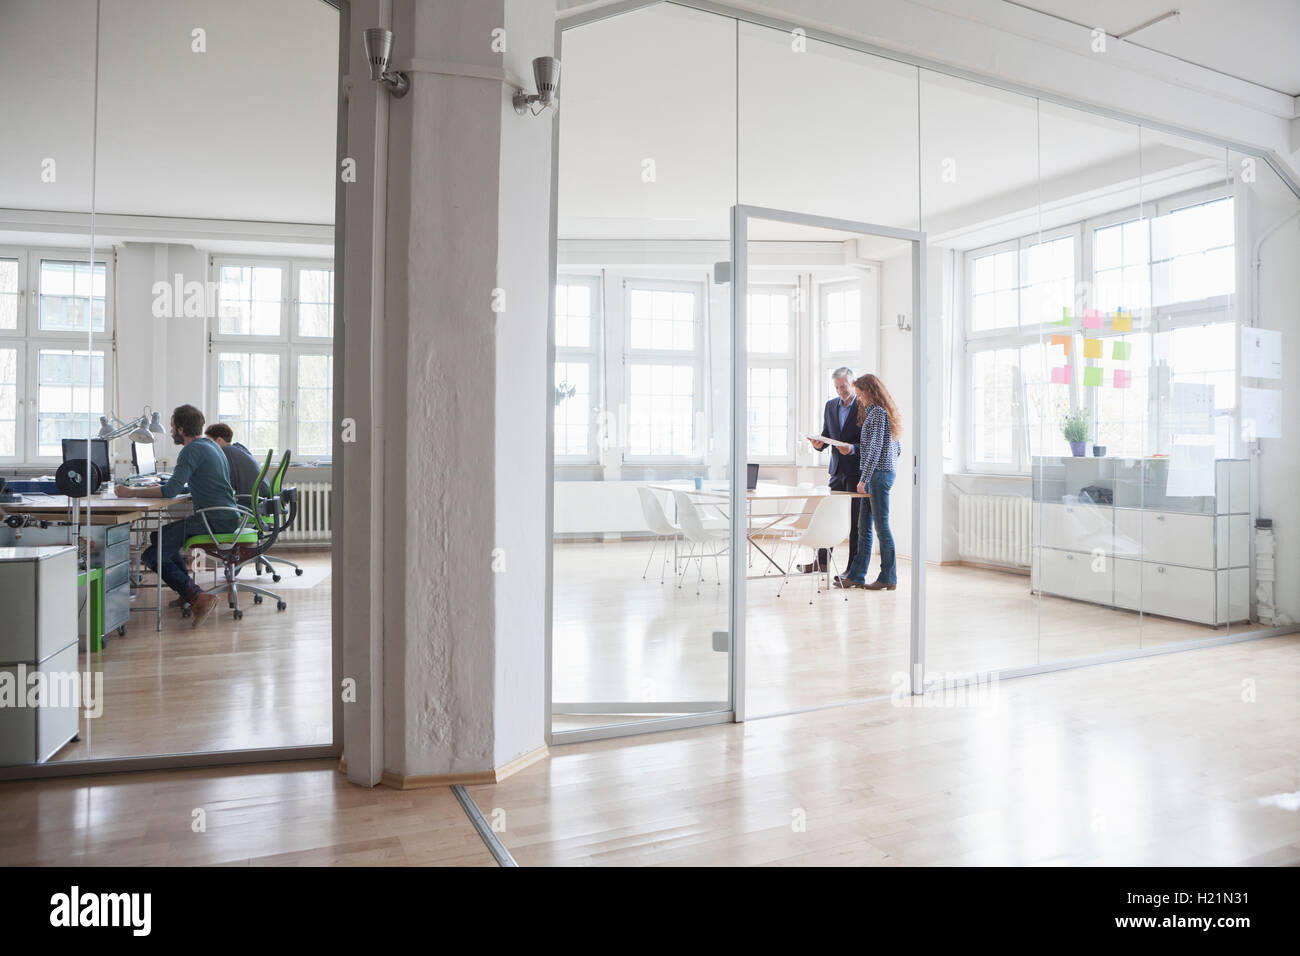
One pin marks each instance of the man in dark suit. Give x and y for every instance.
(840, 421)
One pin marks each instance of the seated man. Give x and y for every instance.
(244, 468)
(202, 466)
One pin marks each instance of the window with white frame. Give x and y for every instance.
(665, 367)
(577, 324)
(272, 353)
(770, 335)
(1017, 290)
(1176, 269)
(53, 381)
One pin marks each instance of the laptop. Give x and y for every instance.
(143, 458)
(751, 478)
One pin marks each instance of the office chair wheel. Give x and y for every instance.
(257, 599)
(238, 614)
(275, 578)
(298, 571)
(280, 605)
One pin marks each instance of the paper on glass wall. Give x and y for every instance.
(1261, 353)
(1191, 409)
(1261, 413)
(1191, 471)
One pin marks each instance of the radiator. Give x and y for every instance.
(313, 523)
(994, 528)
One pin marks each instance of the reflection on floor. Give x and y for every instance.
(617, 637)
(1138, 762)
(263, 681)
(284, 814)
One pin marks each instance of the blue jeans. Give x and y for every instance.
(875, 510)
(174, 572)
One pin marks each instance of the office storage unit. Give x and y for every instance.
(38, 597)
(110, 551)
(1105, 531)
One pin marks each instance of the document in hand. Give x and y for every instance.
(829, 441)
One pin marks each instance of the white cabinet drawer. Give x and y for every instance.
(1173, 591)
(1076, 527)
(1070, 574)
(1195, 541)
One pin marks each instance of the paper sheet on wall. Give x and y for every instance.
(1191, 409)
(1261, 353)
(1191, 471)
(1261, 413)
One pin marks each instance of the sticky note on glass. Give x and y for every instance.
(1123, 322)
(1092, 348)
(1061, 375)
(1092, 377)
(1091, 319)
(1122, 350)
(1064, 340)
(1066, 318)
(1123, 378)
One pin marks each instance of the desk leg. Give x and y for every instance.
(158, 608)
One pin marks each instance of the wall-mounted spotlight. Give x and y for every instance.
(546, 72)
(379, 50)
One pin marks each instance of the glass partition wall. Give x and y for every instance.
(1107, 310)
(170, 248)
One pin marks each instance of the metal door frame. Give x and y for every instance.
(740, 216)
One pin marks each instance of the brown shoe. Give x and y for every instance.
(201, 607)
(847, 583)
(878, 586)
(179, 602)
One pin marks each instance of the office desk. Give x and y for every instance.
(143, 514)
(717, 493)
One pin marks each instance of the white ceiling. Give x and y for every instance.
(829, 132)
(244, 131)
(1253, 40)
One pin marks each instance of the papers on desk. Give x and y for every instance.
(829, 441)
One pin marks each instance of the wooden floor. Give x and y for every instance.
(1189, 758)
(262, 681)
(618, 637)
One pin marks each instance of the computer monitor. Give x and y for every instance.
(751, 476)
(143, 459)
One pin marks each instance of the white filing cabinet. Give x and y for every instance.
(1181, 557)
(38, 601)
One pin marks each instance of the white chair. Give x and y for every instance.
(828, 528)
(656, 520)
(699, 535)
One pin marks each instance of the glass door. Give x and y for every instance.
(810, 359)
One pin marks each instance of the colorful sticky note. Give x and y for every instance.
(1091, 319)
(1122, 350)
(1061, 375)
(1092, 348)
(1065, 318)
(1092, 377)
(1123, 377)
(1123, 321)
(1063, 340)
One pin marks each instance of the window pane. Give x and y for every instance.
(769, 322)
(769, 412)
(662, 319)
(69, 397)
(661, 405)
(314, 405)
(8, 403)
(316, 303)
(8, 294)
(69, 300)
(573, 316)
(249, 299)
(248, 397)
(573, 408)
(843, 318)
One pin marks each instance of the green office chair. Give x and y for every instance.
(259, 526)
(285, 500)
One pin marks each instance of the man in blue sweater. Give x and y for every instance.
(201, 466)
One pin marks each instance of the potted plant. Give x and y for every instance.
(564, 391)
(1074, 426)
